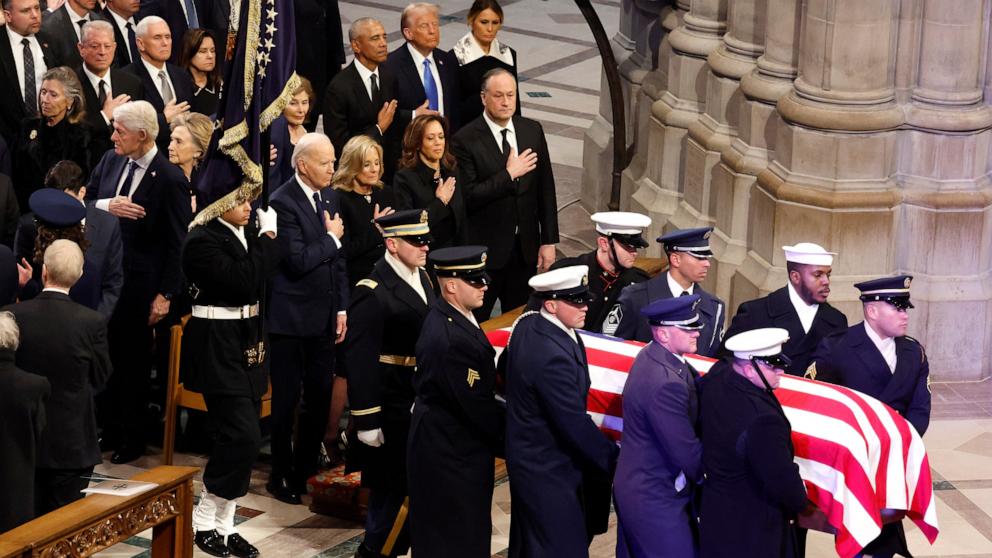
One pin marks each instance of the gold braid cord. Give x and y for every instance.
(230, 143)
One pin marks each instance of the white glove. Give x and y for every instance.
(266, 220)
(371, 437)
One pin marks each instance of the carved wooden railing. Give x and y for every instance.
(99, 521)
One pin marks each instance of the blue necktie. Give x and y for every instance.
(429, 86)
(191, 19)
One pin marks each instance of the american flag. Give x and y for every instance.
(856, 455)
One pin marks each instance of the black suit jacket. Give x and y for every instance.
(11, 96)
(348, 112)
(58, 26)
(122, 55)
(153, 243)
(121, 83)
(66, 343)
(319, 45)
(311, 285)
(496, 204)
(183, 90)
(414, 189)
(10, 211)
(22, 408)
(776, 310)
(410, 92)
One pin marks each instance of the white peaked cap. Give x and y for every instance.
(620, 222)
(766, 341)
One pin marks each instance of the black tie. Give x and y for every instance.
(30, 93)
(126, 186)
(132, 43)
(685, 293)
(316, 205)
(505, 146)
(81, 23)
(101, 97)
(375, 91)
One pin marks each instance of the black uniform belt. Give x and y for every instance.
(398, 360)
(225, 312)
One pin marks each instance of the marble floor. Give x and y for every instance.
(560, 80)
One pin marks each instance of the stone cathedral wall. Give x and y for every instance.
(861, 125)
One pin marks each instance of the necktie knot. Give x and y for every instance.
(25, 42)
(684, 293)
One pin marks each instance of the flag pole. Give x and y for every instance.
(266, 147)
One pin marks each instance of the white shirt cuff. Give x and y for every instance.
(335, 239)
(342, 313)
(103, 204)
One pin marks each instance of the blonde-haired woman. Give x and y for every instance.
(188, 145)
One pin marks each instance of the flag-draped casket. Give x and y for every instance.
(856, 455)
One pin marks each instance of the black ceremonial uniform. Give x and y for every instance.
(221, 273)
(384, 321)
(604, 286)
(456, 434)
(776, 310)
(752, 488)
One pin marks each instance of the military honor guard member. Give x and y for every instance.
(800, 307)
(688, 252)
(661, 457)
(384, 319)
(553, 448)
(226, 261)
(877, 358)
(458, 425)
(611, 264)
(753, 491)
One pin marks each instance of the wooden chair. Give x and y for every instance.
(176, 396)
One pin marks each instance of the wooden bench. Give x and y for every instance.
(100, 521)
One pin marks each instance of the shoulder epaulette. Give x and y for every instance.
(367, 283)
(923, 351)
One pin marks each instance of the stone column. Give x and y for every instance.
(635, 46)
(682, 60)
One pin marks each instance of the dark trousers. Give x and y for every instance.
(233, 424)
(305, 363)
(387, 530)
(124, 405)
(508, 284)
(54, 488)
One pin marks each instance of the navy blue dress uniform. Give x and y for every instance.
(624, 319)
(622, 227)
(384, 322)
(852, 359)
(225, 356)
(458, 426)
(778, 310)
(752, 489)
(661, 455)
(554, 451)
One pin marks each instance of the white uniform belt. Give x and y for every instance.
(225, 312)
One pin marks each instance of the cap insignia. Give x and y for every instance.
(907, 282)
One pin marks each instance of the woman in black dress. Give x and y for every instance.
(364, 198)
(58, 134)
(288, 129)
(478, 52)
(426, 180)
(199, 58)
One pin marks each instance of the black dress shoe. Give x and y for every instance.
(240, 547)
(109, 442)
(127, 453)
(211, 543)
(282, 489)
(366, 552)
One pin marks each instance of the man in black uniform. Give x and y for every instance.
(800, 307)
(457, 428)
(877, 358)
(688, 252)
(753, 490)
(384, 319)
(226, 262)
(611, 264)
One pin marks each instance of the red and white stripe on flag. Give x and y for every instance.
(856, 455)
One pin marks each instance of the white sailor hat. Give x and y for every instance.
(809, 254)
(624, 226)
(764, 344)
(566, 283)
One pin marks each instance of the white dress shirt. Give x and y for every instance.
(497, 132)
(885, 346)
(75, 19)
(95, 82)
(409, 277)
(141, 165)
(121, 24)
(807, 312)
(418, 61)
(18, 50)
(554, 319)
(677, 289)
(238, 232)
(309, 192)
(153, 71)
